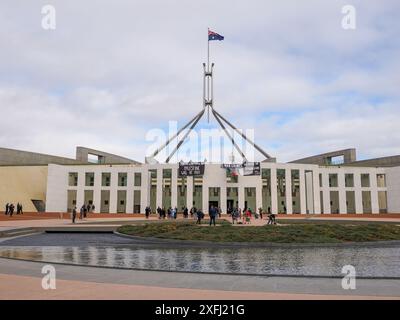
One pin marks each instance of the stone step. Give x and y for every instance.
(17, 232)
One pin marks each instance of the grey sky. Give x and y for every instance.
(112, 70)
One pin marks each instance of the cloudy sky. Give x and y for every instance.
(112, 71)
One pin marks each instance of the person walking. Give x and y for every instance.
(271, 217)
(213, 213)
(11, 209)
(147, 212)
(185, 213)
(159, 212)
(235, 214)
(7, 209)
(260, 212)
(73, 214)
(199, 215)
(81, 212)
(175, 213)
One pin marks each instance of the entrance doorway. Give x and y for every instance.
(229, 205)
(212, 203)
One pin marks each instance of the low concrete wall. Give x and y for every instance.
(9, 157)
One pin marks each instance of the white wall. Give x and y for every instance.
(215, 176)
(393, 186)
(57, 181)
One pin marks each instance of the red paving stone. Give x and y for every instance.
(57, 215)
(14, 287)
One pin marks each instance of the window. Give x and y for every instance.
(281, 182)
(215, 191)
(138, 179)
(89, 179)
(73, 179)
(320, 180)
(333, 180)
(365, 180)
(349, 180)
(122, 179)
(106, 179)
(381, 180)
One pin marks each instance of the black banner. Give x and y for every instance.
(191, 169)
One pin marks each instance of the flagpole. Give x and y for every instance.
(208, 51)
(208, 70)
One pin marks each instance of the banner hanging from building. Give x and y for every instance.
(191, 169)
(251, 169)
(244, 169)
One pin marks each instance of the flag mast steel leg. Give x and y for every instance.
(244, 136)
(184, 137)
(175, 135)
(229, 136)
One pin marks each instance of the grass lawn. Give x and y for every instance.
(290, 233)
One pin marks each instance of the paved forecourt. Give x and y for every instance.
(22, 280)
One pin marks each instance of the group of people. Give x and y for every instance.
(83, 212)
(10, 208)
(171, 213)
(247, 215)
(237, 214)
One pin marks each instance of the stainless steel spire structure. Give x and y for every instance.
(208, 105)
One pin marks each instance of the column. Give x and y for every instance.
(358, 193)
(326, 193)
(113, 191)
(223, 199)
(129, 191)
(174, 188)
(80, 189)
(159, 188)
(206, 194)
(145, 190)
(97, 191)
(259, 194)
(303, 207)
(189, 192)
(342, 193)
(316, 190)
(274, 192)
(241, 197)
(288, 191)
(374, 192)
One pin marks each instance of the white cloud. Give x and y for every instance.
(111, 71)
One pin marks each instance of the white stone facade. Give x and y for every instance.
(339, 192)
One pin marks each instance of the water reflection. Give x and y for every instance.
(369, 261)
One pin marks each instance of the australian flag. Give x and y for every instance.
(214, 36)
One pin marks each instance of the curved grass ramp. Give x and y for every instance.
(289, 233)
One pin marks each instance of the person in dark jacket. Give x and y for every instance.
(11, 209)
(73, 214)
(213, 214)
(200, 215)
(7, 209)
